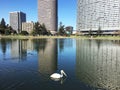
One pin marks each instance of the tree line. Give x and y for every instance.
(5, 29)
(39, 29)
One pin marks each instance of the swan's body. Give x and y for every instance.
(58, 76)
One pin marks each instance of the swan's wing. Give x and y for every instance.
(55, 75)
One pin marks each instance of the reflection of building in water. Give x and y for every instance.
(98, 63)
(3, 45)
(30, 45)
(19, 48)
(15, 46)
(63, 43)
(48, 57)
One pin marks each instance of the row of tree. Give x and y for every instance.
(39, 29)
(5, 29)
(62, 31)
(99, 31)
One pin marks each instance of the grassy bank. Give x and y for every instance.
(81, 37)
(106, 37)
(33, 37)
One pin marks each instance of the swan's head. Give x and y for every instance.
(63, 73)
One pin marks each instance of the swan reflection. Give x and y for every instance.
(61, 80)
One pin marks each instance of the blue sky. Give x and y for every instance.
(66, 10)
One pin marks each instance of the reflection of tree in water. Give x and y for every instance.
(117, 42)
(61, 44)
(4, 43)
(39, 44)
(98, 43)
(89, 41)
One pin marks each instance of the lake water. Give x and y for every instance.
(89, 64)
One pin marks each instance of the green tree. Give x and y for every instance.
(90, 32)
(33, 33)
(24, 33)
(9, 28)
(99, 31)
(43, 29)
(7, 32)
(3, 24)
(37, 29)
(6, 29)
(49, 33)
(62, 29)
(13, 32)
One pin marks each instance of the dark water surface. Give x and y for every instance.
(89, 64)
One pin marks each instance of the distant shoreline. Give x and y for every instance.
(32, 37)
(55, 37)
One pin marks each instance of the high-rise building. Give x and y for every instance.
(16, 19)
(28, 26)
(98, 14)
(47, 14)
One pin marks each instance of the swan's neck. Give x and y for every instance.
(61, 75)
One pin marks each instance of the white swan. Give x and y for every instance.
(57, 76)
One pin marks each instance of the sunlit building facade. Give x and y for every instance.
(47, 14)
(16, 19)
(95, 14)
(28, 26)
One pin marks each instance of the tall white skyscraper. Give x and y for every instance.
(95, 14)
